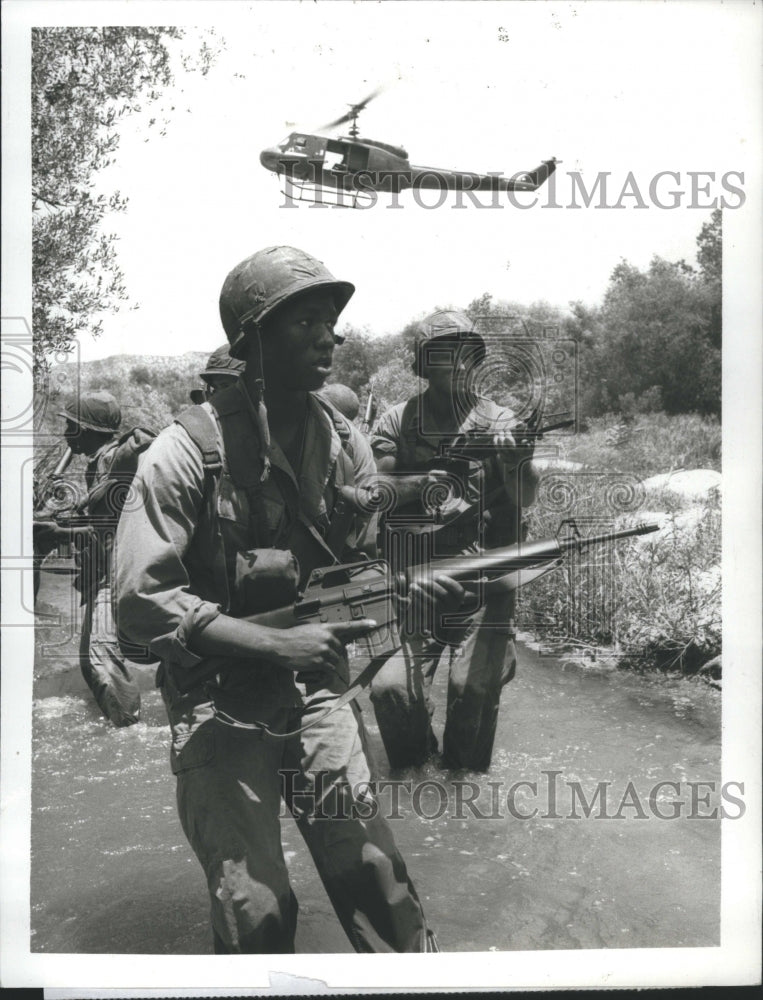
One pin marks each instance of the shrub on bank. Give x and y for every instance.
(655, 600)
(646, 444)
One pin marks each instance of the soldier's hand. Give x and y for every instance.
(54, 532)
(504, 441)
(319, 649)
(441, 592)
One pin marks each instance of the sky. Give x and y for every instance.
(641, 87)
(619, 87)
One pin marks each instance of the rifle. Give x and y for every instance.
(477, 444)
(355, 591)
(44, 484)
(370, 413)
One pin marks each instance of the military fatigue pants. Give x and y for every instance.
(230, 784)
(480, 667)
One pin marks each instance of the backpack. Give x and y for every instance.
(113, 491)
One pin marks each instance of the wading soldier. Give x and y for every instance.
(411, 440)
(92, 423)
(233, 491)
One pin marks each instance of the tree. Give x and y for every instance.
(710, 248)
(360, 356)
(657, 332)
(710, 260)
(85, 81)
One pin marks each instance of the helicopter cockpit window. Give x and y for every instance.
(297, 142)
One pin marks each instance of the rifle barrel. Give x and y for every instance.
(524, 555)
(610, 536)
(555, 427)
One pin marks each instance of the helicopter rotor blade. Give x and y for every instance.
(354, 111)
(337, 121)
(367, 100)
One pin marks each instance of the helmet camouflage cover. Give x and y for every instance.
(94, 411)
(266, 280)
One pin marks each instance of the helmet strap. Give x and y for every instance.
(259, 411)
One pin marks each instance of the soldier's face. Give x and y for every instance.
(298, 344)
(73, 437)
(448, 365)
(217, 382)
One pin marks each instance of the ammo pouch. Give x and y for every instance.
(266, 579)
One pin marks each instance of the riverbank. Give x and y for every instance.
(651, 603)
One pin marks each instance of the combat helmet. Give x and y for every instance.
(449, 326)
(264, 281)
(342, 398)
(94, 411)
(221, 363)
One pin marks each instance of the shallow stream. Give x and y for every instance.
(112, 872)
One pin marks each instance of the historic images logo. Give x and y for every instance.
(665, 190)
(549, 795)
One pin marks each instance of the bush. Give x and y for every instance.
(649, 444)
(655, 600)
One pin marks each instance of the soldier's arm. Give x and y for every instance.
(156, 603)
(405, 488)
(520, 477)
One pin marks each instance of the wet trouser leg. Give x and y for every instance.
(401, 696)
(228, 797)
(479, 670)
(351, 843)
(229, 786)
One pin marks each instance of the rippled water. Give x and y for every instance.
(111, 870)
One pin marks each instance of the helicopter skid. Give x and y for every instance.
(331, 196)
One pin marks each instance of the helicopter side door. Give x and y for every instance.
(345, 157)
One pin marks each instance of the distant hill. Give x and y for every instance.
(120, 366)
(151, 389)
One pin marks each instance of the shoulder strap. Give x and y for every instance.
(344, 473)
(201, 429)
(343, 514)
(340, 422)
(410, 412)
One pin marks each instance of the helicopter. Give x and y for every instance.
(355, 164)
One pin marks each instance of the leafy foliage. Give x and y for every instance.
(634, 348)
(664, 596)
(85, 81)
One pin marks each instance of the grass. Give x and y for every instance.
(654, 602)
(649, 444)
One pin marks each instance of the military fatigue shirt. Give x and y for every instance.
(407, 433)
(168, 546)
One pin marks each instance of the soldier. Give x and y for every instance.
(410, 439)
(222, 371)
(92, 423)
(232, 492)
(343, 399)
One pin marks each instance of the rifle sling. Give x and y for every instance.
(361, 682)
